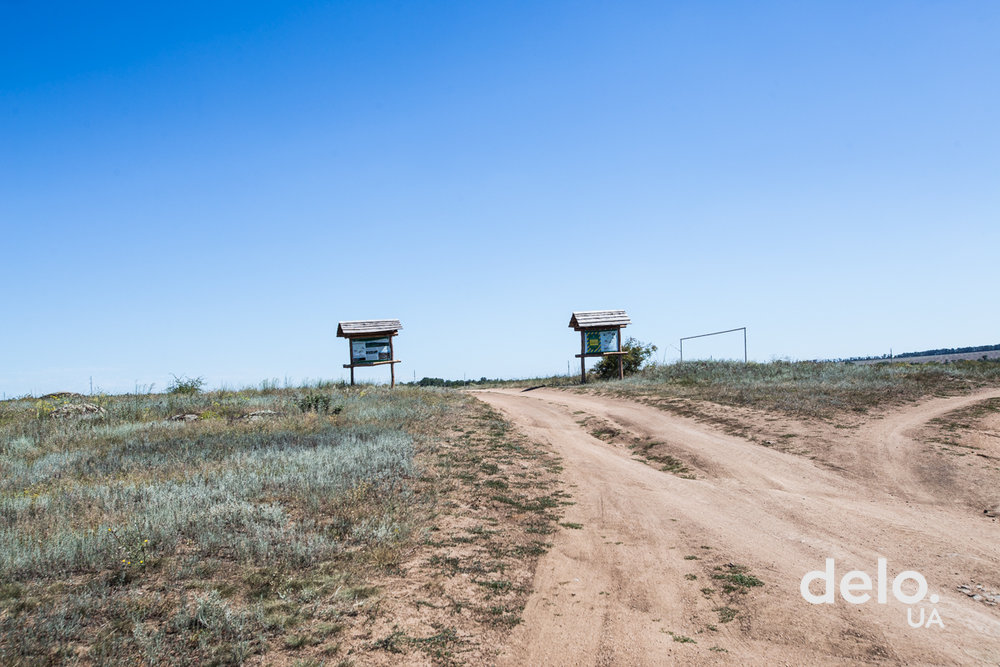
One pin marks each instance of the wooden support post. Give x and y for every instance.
(392, 367)
(621, 367)
(583, 358)
(352, 372)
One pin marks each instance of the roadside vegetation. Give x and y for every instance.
(810, 389)
(234, 526)
(794, 388)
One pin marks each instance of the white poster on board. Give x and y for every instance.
(371, 349)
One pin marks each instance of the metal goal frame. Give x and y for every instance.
(716, 333)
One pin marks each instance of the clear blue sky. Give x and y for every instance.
(205, 189)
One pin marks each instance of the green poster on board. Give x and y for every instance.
(600, 342)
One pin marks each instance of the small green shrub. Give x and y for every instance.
(185, 386)
(322, 403)
(636, 354)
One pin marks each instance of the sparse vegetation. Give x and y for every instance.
(646, 450)
(736, 581)
(951, 430)
(130, 538)
(726, 614)
(812, 389)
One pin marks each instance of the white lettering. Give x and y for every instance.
(827, 577)
(909, 618)
(883, 578)
(848, 587)
(897, 587)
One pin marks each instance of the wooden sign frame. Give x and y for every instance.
(592, 321)
(358, 330)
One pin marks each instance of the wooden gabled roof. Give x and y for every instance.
(599, 319)
(356, 328)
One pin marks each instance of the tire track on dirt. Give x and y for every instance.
(613, 591)
(898, 457)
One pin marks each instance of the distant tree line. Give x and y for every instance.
(929, 353)
(950, 350)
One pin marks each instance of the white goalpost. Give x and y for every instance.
(716, 333)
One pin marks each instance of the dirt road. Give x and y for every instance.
(640, 575)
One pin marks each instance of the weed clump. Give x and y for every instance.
(321, 403)
(185, 386)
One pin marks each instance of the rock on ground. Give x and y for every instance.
(77, 410)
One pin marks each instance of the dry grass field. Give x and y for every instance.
(310, 526)
(668, 517)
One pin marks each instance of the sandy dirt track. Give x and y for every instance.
(627, 587)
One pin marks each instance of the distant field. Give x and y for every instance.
(939, 358)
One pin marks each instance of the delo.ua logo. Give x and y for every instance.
(856, 587)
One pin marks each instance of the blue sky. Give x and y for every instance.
(206, 189)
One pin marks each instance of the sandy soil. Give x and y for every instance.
(634, 584)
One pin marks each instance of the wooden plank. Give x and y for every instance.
(372, 363)
(621, 367)
(601, 327)
(392, 367)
